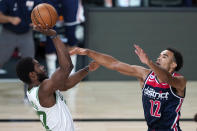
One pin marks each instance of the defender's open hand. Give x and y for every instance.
(141, 54)
(78, 51)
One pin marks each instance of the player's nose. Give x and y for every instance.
(158, 59)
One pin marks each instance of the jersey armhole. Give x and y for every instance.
(147, 78)
(174, 93)
(172, 88)
(55, 95)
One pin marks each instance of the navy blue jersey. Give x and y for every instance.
(20, 8)
(161, 105)
(68, 9)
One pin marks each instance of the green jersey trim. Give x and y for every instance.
(30, 90)
(44, 119)
(37, 94)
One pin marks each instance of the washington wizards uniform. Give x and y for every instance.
(161, 105)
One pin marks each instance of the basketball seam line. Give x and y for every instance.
(40, 16)
(49, 14)
(35, 18)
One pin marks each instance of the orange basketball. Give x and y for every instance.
(44, 14)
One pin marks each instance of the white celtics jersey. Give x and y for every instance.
(55, 118)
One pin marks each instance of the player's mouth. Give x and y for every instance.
(157, 63)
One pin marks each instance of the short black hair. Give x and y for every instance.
(23, 68)
(178, 58)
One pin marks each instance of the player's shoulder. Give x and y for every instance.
(148, 71)
(45, 85)
(145, 73)
(178, 75)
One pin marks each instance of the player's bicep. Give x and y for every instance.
(57, 80)
(131, 70)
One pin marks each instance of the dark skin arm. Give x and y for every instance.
(79, 75)
(49, 100)
(60, 80)
(60, 76)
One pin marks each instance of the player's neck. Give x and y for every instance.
(30, 86)
(171, 71)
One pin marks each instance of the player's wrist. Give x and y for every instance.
(150, 63)
(54, 36)
(87, 52)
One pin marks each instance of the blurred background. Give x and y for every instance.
(113, 28)
(106, 99)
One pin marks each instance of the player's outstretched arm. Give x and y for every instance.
(177, 82)
(112, 63)
(79, 75)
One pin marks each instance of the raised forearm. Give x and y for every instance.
(62, 53)
(76, 78)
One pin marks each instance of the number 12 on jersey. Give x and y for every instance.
(156, 112)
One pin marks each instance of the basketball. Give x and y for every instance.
(44, 14)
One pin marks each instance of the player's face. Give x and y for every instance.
(40, 71)
(166, 60)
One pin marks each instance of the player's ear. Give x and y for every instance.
(174, 65)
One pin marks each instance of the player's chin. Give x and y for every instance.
(45, 74)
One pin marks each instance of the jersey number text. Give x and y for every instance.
(158, 105)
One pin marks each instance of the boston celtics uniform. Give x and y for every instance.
(55, 118)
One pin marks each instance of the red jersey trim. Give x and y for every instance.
(152, 81)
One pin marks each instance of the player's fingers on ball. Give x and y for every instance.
(72, 51)
(34, 27)
(47, 26)
(41, 27)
